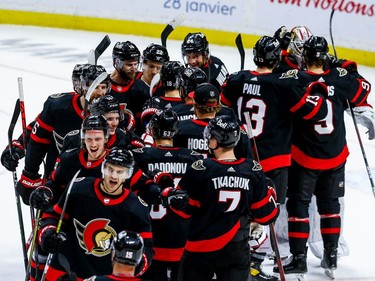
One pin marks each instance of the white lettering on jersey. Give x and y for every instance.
(232, 182)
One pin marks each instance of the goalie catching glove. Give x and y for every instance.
(176, 198)
(257, 235)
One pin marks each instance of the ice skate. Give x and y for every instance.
(329, 261)
(295, 264)
(258, 274)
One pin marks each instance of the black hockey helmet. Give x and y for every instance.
(315, 48)
(105, 104)
(195, 43)
(267, 52)
(127, 248)
(76, 77)
(191, 77)
(170, 74)
(224, 129)
(94, 122)
(89, 73)
(123, 51)
(164, 124)
(156, 53)
(119, 157)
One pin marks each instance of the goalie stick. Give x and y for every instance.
(352, 113)
(13, 122)
(99, 50)
(176, 21)
(241, 50)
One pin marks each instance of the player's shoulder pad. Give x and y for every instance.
(256, 166)
(198, 165)
(293, 73)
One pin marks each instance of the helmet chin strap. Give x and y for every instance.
(211, 150)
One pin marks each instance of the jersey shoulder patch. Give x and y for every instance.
(256, 166)
(198, 165)
(289, 74)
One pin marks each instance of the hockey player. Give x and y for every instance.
(266, 102)
(126, 251)
(61, 114)
(196, 53)
(319, 153)
(168, 229)
(96, 210)
(131, 93)
(206, 106)
(109, 107)
(219, 195)
(153, 58)
(191, 77)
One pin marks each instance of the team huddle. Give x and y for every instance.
(169, 171)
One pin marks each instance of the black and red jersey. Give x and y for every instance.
(216, 71)
(222, 197)
(125, 139)
(322, 145)
(67, 165)
(61, 114)
(113, 277)
(92, 219)
(168, 228)
(267, 102)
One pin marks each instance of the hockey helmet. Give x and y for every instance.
(267, 52)
(94, 122)
(119, 157)
(315, 49)
(156, 53)
(89, 73)
(224, 129)
(170, 74)
(123, 51)
(76, 78)
(127, 248)
(191, 77)
(195, 43)
(106, 104)
(299, 35)
(164, 124)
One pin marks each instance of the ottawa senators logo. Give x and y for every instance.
(342, 71)
(95, 237)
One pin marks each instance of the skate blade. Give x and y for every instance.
(330, 273)
(293, 276)
(301, 277)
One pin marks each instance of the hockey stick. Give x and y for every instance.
(13, 122)
(155, 80)
(241, 50)
(92, 87)
(353, 117)
(273, 238)
(33, 245)
(93, 55)
(59, 224)
(176, 21)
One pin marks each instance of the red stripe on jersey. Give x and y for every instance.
(213, 244)
(314, 111)
(295, 219)
(267, 219)
(331, 230)
(260, 203)
(122, 88)
(44, 125)
(275, 162)
(360, 93)
(301, 102)
(104, 200)
(194, 203)
(39, 140)
(224, 100)
(54, 274)
(111, 140)
(136, 177)
(146, 235)
(180, 213)
(298, 235)
(319, 164)
(77, 106)
(166, 254)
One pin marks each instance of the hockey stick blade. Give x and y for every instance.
(241, 50)
(94, 55)
(176, 21)
(13, 123)
(155, 80)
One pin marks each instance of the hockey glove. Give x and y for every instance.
(365, 116)
(350, 66)
(129, 120)
(41, 198)
(176, 198)
(68, 277)
(49, 240)
(257, 235)
(162, 179)
(10, 162)
(27, 184)
(283, 36)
